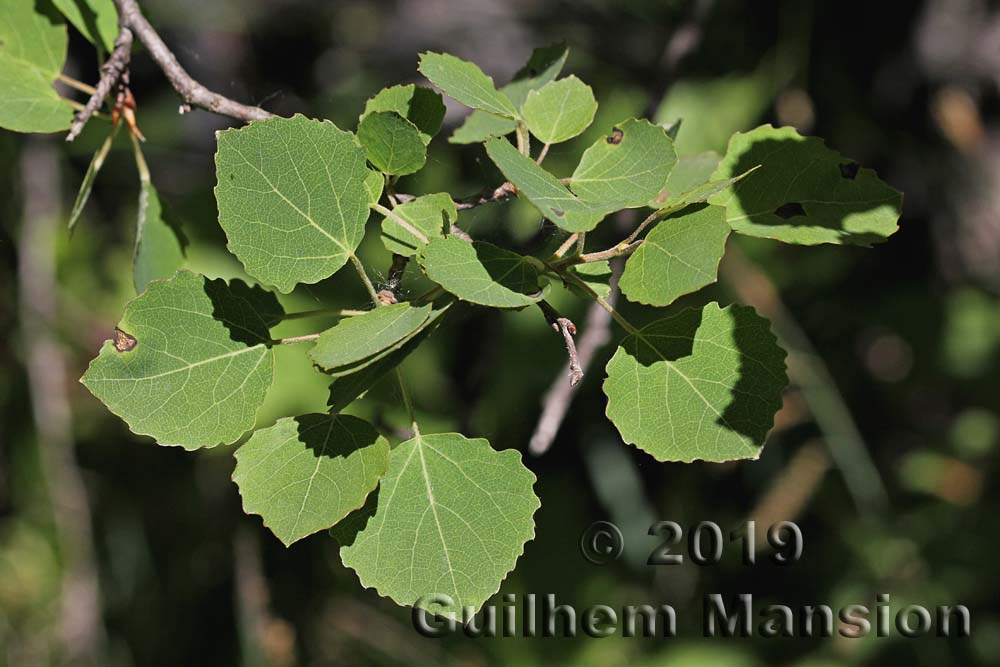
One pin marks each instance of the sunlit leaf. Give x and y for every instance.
(559, 110)
(421, 106)
(681, 255)
(97, 20)
(158, 251)
(703, 384)
(451, 519)
(430, 214)
(393, 144)
(803, 192)
(306, 473)
(292, 198)
(466, 83)
(356, 339)
(191, 362)
(482, 273)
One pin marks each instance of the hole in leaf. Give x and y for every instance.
(849, 170)
(616, 136)
(789, 210)
(124, 342)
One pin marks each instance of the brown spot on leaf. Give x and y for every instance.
(616, 136)
(849, 170)
(662, 197)
(558, 212)
(124, 342)
(789, 210)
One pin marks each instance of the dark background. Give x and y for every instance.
(883, 454)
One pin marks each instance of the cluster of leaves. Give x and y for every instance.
(192, 358)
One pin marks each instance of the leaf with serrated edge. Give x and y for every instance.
(803, 192)
(306, 473)
(543, 66)
(354, 339)
(451, 519)
(627, 168)
(421, 106)
(482, 273)
(197, 362)
(393, 144)
(681, 255)
(559, 110)
(429, 214)
(292, 198)
(553, 199)
(466, 83)
(703, 384)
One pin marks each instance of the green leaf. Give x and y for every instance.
(355, 339)
(96, 162)
(482, 273)
(451, 519)
(553, 199)
(429, 214)
(158, 251)
(374, 182)
(191, 360)
(559, 110)
(393, 144)
(421, 106)
(466, 83)
(804, 192)
(292, 198)
(97, 20)
(689, 173)
(543, 66)
(681, 255)
(306, 473)
(32, 52)
(627, 168)
(345, 388)
(597, 275)
(703, 384)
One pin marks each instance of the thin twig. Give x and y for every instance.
(323, 312)
(566, 327)
(292, 340)
(74, 83)
(500, 193)
(111, 71)
(567, 244)
(395, 217)
(542, 153)
(555, 405)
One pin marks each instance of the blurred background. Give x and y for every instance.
(117, 552)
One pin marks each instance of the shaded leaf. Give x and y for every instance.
(466, 83)
(374, 182)
(703, 384)
(681, 255)
(800, 194)
(97, 20)
(306, 473)
(429, 214)
(292, 198)
(559, 110)
(355, 339)
(627, 168)
(450, 520)
(553, 199)
(689, 173)
(597, 275)
(482, 273)
(198, 365)
(421, 106)
(96, 162)
(393, 144)
(158, 251)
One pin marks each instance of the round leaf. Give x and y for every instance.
(681, 255)
(450, 519)
(356, 339)
(292, 198)
(466, 83)
(559, 110)
(191, 361)
(421, 106)
(430, 214)
(703, 384)
(306, 473)
(392, 143)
